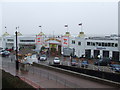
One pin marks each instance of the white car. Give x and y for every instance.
(30, 59)
(56, 60)
(1, 52)
(43, 57)
(4, 53)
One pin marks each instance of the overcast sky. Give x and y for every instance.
(97, 18)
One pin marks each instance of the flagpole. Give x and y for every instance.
(67, 29)
(66, 26)
(18, 28)
(80, 26)
(40, 28)
(6, 28)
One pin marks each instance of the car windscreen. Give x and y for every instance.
(43, 56)
(33, 56)
(115, 65)
(56, 59)
(73, 60)
(84, 61)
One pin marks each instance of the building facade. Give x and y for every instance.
(90, 47)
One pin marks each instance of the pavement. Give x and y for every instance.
(31, 78)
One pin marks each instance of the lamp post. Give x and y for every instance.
(17, 63)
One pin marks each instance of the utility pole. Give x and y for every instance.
(17, 63)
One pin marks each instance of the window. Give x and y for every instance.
(103, 44)
(73, 41)
(108, 44)
(27, 40)
(116, 45)
(99, 44)
(79, 43)
(88, 43)
(96, 43)
(10, 40)
(112, 44)
(93, 44)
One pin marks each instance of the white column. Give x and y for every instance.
(57, 47)
(101, 53)
(119, 56)
(110, 54)
(92, 53)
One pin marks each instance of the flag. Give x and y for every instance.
(66, 25)
(80, 24)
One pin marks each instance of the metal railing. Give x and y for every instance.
(53, 77)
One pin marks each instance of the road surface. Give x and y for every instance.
(51, 79)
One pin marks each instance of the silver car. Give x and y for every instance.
(56, 60)
(43, 57)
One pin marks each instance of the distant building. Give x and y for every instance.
(90, 47)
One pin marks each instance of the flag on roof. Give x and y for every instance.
(80, 24)
(66, 25)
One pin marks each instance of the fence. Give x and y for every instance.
(54, 77)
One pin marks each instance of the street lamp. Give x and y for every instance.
(17, 63)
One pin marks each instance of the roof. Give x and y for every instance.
(81, 34)
(19, 34)
(6, 34)
(67, 34)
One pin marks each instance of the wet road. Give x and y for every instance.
(51, 79)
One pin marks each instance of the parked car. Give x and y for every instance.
(74, 62)
(1, 52)
(43, 57)
(56, 60)
(5, 53)
(103, 62)
(84, 64)
(9, 50)
(30, 59)
(34, 58)
(115, 67)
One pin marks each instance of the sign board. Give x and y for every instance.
(65, 41)
(39, 39)
(100, 48)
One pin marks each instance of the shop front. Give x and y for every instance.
(54, 46)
